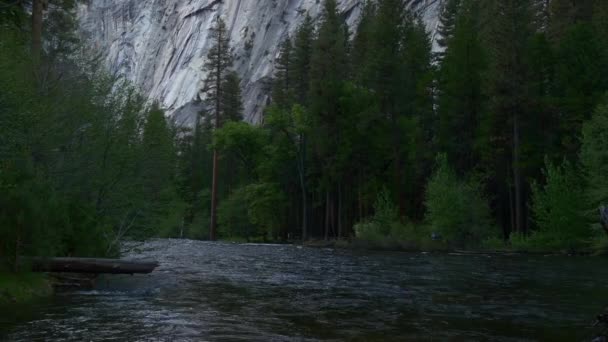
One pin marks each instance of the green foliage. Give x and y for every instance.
(266, 207)
(252, 211)
(22, 287)
(386, 231)
(233, 216)
(457, 210)
(459, 85)
(558, 209)
(594, 159)
(84, 162)
(381, 225)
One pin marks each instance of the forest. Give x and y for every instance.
(495, 139)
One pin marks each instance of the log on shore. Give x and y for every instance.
(91, 265)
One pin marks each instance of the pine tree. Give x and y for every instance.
(579, 82)
(219, 61)
(416, 121)
(506, 84)
(231, 103)
(460, 94)
(282, 93)
(362, 44)
(158, 152)
(38, 7)
(328, 72)
(301, 58)
(447, 23)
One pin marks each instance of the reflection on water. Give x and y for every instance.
(231, 292)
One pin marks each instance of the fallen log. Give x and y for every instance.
(604, 218)
(90, 265)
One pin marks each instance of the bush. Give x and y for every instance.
(380, 226)
(386, 231)
(558, 210)
(233, 218)
(594, 159)
(494, 244)
(35, 220)
(252, 211)
(457, 210)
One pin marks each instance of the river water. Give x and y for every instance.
(206, 291)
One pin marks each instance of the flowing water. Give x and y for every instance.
(229, 292)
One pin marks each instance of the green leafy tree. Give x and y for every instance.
(594, 158)
(558, 209)
(461, 222)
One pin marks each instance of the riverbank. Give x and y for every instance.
(597, 249)
(23, 287)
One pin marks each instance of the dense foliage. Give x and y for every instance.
(500, 134)
(359, 110)
(84, 162)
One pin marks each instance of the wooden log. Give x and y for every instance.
(91, 265)
(604, 218)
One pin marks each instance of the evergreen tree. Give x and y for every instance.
(579, 83)
(362, 44)
(231, 103)
(328, 72)
(158, 153)
(282, 93)
(301, 57)
(219, 61)
(460, 97)
(447, 23)
(506, 83)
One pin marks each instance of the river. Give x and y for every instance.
(206, 291)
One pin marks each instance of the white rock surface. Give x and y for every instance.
(161, 45)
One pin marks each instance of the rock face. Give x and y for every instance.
(161, 45)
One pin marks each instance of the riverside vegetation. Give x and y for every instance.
(498, 141)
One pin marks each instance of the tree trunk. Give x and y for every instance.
(327, 215)
(37, 17)
(517, 177)
(339, 211)
(90, 265)
(213, 226)
(301, 171)
(218, 93)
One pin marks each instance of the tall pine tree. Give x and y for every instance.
(219, 61)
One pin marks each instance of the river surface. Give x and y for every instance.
(206, 291)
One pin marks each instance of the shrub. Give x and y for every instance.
(385, 229)
(380, 225)
(494, 244)
(594, 159)
(457, 210)
(558, 210)
(253, 210)
(233, 218)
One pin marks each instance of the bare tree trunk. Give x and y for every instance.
(339, 211)
(37, 17)
(360, 199)
(301, 171)
(212, 227)
(327, 215)
(517, 177)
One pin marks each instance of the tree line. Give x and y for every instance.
(497, 135)
(85, 160)
(485, 139)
